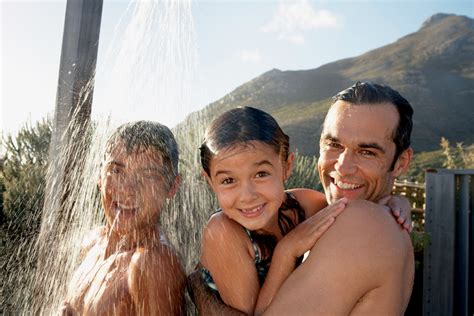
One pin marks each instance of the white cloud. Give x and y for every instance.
(250, 55)
(291, 20)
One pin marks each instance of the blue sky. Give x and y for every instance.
(234, 42)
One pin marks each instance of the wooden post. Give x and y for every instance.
(448, 260)
(438, 269)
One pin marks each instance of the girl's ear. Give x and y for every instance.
(174, 187)
(288, 166)
(99, 183)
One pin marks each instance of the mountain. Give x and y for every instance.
(433, 68)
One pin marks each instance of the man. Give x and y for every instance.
(364, 263)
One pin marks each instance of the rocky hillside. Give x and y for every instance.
(433, 68)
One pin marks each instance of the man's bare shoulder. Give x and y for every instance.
(364, 255)
(368, 229)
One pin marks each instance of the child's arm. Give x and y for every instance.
(293, 245)
(400, 208)
(156, 282)
(227, 254)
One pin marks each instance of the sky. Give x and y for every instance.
(227, 43)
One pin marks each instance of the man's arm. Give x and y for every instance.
(206, 302)
(350, 268)
(156, 282)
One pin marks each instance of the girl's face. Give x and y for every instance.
(248, 181)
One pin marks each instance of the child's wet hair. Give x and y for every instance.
(240, 126)
(142, 135)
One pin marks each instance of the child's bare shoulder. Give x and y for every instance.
(91, 239)
(310, 200)
(221, 228)
(160, 263)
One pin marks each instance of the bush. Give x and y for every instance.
(22, 183)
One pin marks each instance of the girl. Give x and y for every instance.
(246, 160)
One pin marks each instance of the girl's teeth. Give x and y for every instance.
(252, 210)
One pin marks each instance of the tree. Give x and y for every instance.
(22, 183)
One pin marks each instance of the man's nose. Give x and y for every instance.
(345, 164)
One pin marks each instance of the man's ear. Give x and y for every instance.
(288, 166)
(174, 187)
(99, 182)
(403, 162)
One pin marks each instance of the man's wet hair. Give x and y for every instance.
(371, 93)
(142, 135)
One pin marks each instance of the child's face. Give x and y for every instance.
(133, 188)
(248, 182)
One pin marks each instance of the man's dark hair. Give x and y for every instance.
(372, 93)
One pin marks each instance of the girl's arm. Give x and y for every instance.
(227, 254)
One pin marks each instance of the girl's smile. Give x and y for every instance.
(248, 181)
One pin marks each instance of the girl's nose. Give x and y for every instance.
(248, 192)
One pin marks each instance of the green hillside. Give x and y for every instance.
(433, 68)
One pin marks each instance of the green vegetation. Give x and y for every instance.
(22, 183)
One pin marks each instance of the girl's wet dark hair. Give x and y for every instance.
(240, 126)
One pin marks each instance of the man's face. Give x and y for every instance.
(357, 150)
(133, 188)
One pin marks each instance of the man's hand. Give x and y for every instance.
(206, 302)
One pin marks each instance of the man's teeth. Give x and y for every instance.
(252, 210)
(346, 186)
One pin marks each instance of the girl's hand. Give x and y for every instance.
(303, 237)
(400, 208)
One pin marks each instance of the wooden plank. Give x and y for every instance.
(438, 272)
(462, 248)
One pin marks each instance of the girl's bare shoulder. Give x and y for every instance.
(310, 200)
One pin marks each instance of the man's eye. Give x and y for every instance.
(228, 181)
(367, 153)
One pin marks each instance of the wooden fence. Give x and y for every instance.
(415, 193)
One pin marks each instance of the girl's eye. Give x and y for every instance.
(262, 174)
(228, 181)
